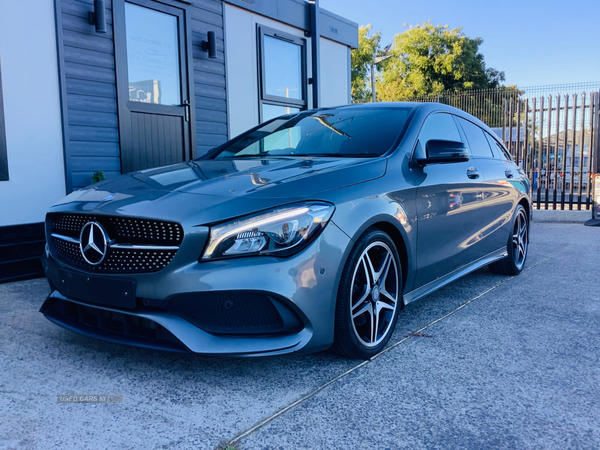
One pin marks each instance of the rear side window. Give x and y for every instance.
(498, 149)
(480, 148)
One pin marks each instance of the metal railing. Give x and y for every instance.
(551, 131)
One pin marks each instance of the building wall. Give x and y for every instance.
(243, 67)
(32, 111)
(335, 73)
(90, 82)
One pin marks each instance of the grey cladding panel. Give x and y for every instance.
(77, 102)
(88, 74)
(93, 119)
(211, 104)
(89, 57)
(94, 148)
(93, 134)
(90, 42)
(74, 23)
(80, 9)
(209, 76)
(82, 163)
(91, 89)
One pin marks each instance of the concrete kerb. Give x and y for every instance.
(557, 216)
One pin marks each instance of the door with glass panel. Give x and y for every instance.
(155, 123)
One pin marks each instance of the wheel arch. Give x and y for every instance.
(524, 202)
(397, 233)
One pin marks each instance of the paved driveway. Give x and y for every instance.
(492, 362)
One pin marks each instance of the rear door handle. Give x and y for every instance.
(473, 173)
(508, 173)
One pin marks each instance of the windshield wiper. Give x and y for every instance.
(333, 155)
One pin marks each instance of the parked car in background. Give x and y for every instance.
(310, 230)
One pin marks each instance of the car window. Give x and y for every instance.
(480, 148)
(350, 132)
(498, 149)
(438, 126)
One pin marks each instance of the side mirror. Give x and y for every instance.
(439, 151)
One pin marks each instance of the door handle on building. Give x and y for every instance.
(186, 106)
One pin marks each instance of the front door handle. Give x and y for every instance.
(186, 105)
(473, 173)
(508, 173)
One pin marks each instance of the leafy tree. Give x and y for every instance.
(432, 59)
(368, 44)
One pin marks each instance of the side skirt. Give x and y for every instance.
(452, 276)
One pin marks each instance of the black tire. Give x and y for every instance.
(372, 283)
(517, 246)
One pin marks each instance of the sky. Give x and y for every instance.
(535, 42)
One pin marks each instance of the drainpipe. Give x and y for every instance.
(315, 50)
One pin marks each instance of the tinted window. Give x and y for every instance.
(478, 144)
(438, 127)
(498, 149)
(334, 132)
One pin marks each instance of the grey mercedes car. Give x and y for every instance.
(310, 230)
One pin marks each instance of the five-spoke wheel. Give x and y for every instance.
(518, 243)
(370, 296)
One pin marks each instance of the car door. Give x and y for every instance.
(449, 197)
(506, 182)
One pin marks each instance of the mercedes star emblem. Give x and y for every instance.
(93, 243)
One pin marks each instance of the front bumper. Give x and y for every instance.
(244, 307)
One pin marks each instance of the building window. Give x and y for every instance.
(3, 152)
(282, 73)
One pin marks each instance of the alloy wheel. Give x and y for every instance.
(519, 239)
(374, 294)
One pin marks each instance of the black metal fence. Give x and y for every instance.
(551, 131)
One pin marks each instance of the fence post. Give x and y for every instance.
(504, 120)
(565, 153)
(597, 136)
(519, 150)
(595, 118)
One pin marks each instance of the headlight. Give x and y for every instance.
(280, 232)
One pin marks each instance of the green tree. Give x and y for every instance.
(431, 59)
(368, 45)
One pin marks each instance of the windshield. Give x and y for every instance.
(350, 132)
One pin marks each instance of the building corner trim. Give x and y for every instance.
(315, 38)
(62, 89)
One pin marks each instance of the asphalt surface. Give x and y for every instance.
(492, 362)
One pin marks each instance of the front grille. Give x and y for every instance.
(123, 229)
(161, 238)
(235, 313)
(111, 325)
